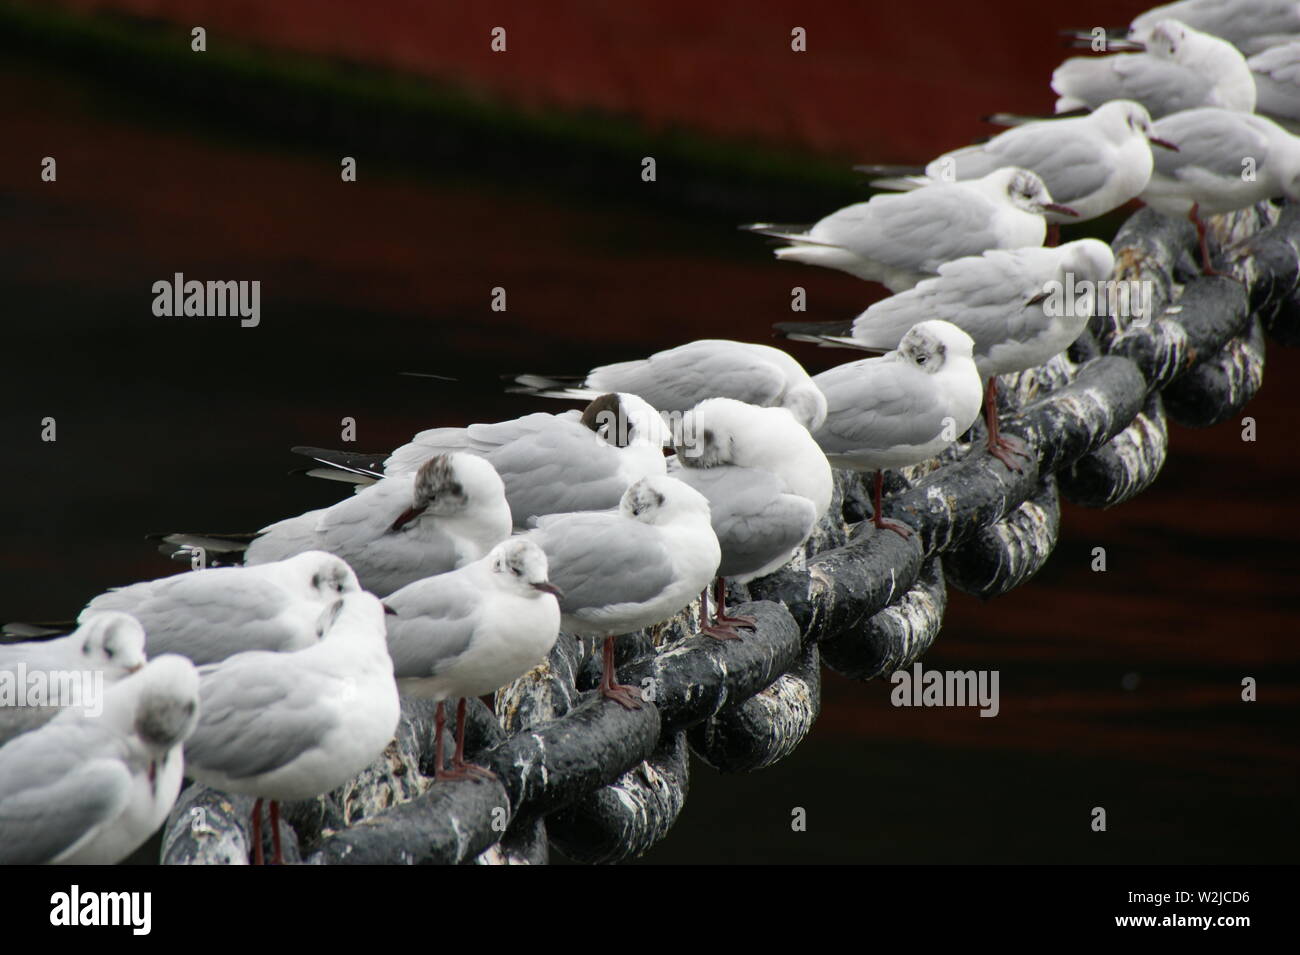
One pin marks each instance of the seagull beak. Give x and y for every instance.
(1163, 143)
(1059, 209)
(389, 610)
(408, 515)
(330, 615)
(547, 587)
(135, 669)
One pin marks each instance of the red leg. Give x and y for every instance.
(625, 696)
(1206, 267)
(459, 767)
(277, 856)
(1003, 448)
(439, 724)
(258, 858)
(1053, 237)
(744, 622)
(877, 518)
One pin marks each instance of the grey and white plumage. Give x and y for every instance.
(474, 630)
(677, 379)
(555, 463)
(109, 643)
(208, 615)
(1180, 68)
(623, 570)
(89, 790)
(1217, 148)
(1092, 164)
(903, 407)
(448, 512)
(998, 299)
(1277, 84)
(1251, 25)
(285, 726)
(898, 239)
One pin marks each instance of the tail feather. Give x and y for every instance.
(901, 183)
(825, 334)
(219, 549)
(884, 169)
(21, 632)
(551, 386)
(791, 233)
(361, 464)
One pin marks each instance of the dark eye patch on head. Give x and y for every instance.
(601, 411)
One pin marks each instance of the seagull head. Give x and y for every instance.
(626, 420)
(1026, 190)
(167, 704)
(113, 642)
(1125, 119)
(659, 499)
(520, 565)
(932, 344)
(448, 484)
(721, 431)
(1088, 259)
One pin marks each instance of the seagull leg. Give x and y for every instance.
(882, 522)
(1053, 237)
(459, 767)
(720, 615)
(625, 696)
(258, 858)
(439, 724)
(277, 856)
(1206, 267)
(1005, 449)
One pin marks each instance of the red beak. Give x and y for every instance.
(1059, 209)
(1164, 143)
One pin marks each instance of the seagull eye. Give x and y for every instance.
(516, 571)
(920, 359)
(108, 652)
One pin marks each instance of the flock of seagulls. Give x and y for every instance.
(275, 670)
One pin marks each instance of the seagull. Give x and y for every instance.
(678, 379)
(1180, 68)
(209, 615)
(1092, 163)
(90, 789)
(1251, 25)
(635, 567)
(1012, 303)
(1227, 160)
(288, 726)
(471, 632)
(549, 463)
(899, 239)
(110, 643)
(903, 407)
(1277, 83)
(767, 483)
(447, 513)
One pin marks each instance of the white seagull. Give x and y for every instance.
(287, 726)
(1226, 161)
(899, 239)
(471, 632)
(678, 379)
(1251, 25)
(767, 483)
(109, 643)
(1180, 68)
(624, 570)
(1020, 307)
(448, 512)
(549, 463)
(208, 615)
(1092, 163)
(903, 407)
(89, 790)
(1277, 83)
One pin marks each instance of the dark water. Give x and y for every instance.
(1118, 690)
